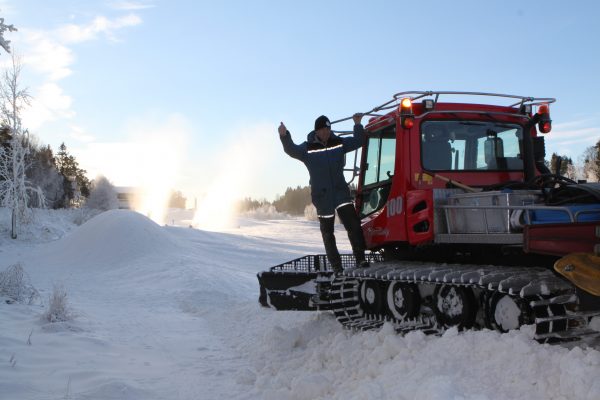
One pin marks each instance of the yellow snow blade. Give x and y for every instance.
(582, 269)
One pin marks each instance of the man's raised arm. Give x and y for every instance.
(291, 149)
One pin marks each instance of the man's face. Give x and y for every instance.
(323, 133)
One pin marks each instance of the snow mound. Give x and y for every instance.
(112, 236)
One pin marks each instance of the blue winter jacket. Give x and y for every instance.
(325, 164)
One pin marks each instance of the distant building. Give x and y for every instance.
(127, 197)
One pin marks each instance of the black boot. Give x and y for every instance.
(333, 255)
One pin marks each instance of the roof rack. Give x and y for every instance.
(416, 95)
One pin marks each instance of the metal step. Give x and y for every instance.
(569, 334)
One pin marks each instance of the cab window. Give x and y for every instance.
(378, 169)
(471, 145)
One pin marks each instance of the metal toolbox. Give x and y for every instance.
(487, 214)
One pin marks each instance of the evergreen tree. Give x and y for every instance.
(177, 200)
(76, 184)
(294, 201)
(249, 204)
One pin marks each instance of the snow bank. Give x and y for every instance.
(177, 317)
(314, 362)
(112, 236)
(46, 225)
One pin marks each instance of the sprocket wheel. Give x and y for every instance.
(504, 312)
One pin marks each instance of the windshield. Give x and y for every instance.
(470, 145)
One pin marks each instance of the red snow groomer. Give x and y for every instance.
(466, 225)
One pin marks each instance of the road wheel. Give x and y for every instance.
(403, 300)
(455, 306)
(371, 298)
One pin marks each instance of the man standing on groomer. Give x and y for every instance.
(323, 154)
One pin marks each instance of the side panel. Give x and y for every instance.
(387, 225)
(419, 216)
(561, 239)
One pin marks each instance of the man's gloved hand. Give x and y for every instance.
(282, 130)
(357, 117)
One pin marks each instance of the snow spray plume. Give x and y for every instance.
(161, 167)
(149, 162)
(240, 167)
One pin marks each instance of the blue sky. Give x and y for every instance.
(191, 92)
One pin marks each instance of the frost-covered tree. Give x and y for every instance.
(3, 28)
(43, 172)
(103, 195)
(571, 171)
(591, 163)
(13, 98)
(15, 190)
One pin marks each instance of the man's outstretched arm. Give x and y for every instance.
(291, 149)
(358, 138)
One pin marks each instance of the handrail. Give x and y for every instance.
(523, 100)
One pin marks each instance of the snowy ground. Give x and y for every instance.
(172, 313)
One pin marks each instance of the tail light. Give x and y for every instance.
(545, 123)
(407, 118)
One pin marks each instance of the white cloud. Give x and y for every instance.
(130, 5)
(49, 53)
(73, 33)
(7, 8)
(79, 134)
(48, 103)
(576, 132)
(47, 56)
(572, 137)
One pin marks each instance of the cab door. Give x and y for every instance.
(377, 173)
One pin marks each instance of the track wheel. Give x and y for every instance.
(455, 306)
(504, 312)
(403, 300)
(371, 297)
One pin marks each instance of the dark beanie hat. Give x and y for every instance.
(321, 122)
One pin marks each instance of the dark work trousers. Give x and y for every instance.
(351, 222)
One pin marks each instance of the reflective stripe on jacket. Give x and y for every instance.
(325, 164)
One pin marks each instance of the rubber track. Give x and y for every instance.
(546, 289)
